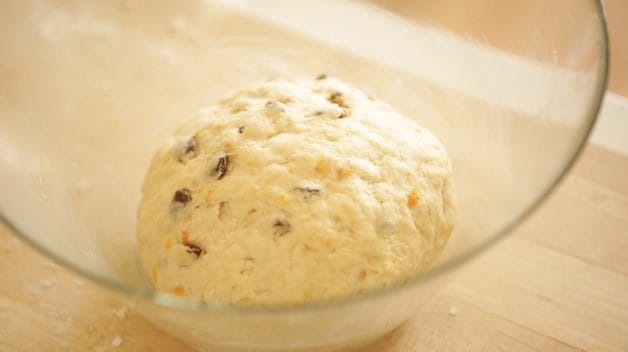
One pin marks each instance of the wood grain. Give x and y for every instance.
(559, 283)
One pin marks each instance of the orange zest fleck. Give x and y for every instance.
(413, 198)
(322, 167)
(344, 172)
(178, 290)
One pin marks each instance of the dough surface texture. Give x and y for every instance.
(289, 192)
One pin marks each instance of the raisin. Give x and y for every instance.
(241, 129)
(190, 145)
(309, 188)
(189, 150)
(222, 167)
(281, 227)
(182, 196)
(321, 76)
(336, 98)
(309, 191)
(194, 250)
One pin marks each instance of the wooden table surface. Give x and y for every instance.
(559, 283)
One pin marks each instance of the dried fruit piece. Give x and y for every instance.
(281, 227)
(178, 290)
(336, 98)
(188, 151)
(194, 250)
(241, 129)
(182, 196)
(309, 189)
(322, 166)
(190, 145)
(344, 172)
(321, 76)
(222, 167)
(413, 198)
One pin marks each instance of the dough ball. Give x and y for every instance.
(294, 191)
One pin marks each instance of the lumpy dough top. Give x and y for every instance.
(294, 191)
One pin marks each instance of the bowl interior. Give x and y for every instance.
(89, 89)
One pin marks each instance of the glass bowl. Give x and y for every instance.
(88, 89)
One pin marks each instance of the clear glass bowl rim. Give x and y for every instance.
(157, 297)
